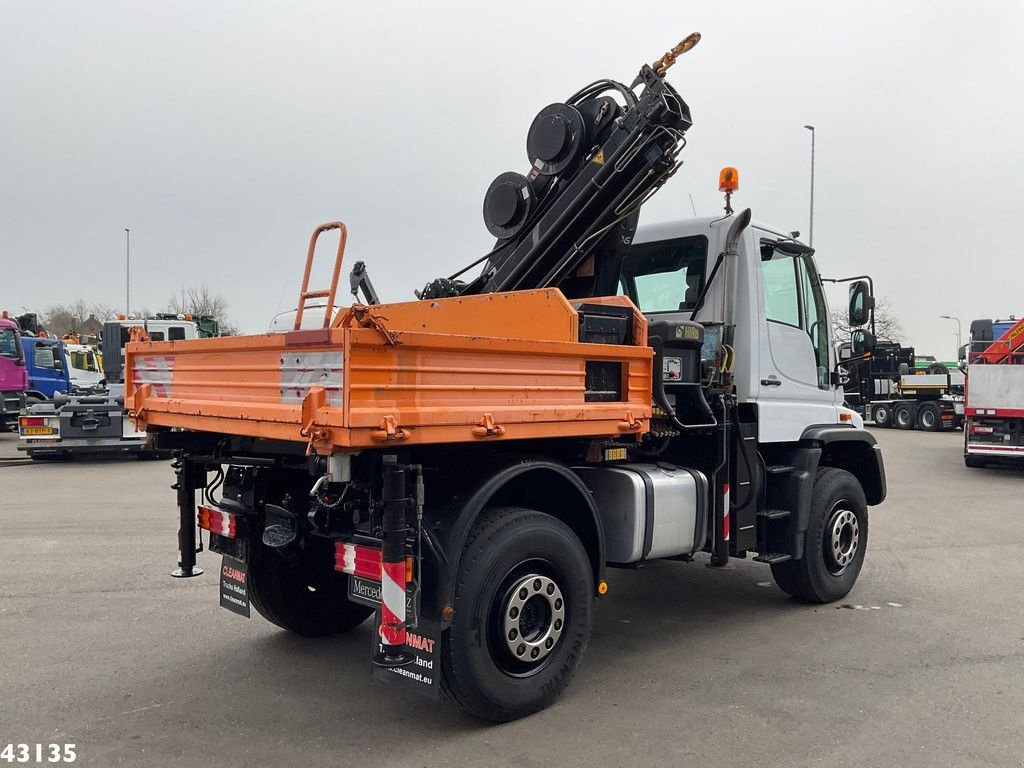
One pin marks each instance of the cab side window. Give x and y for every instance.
(176, 333)
(781, 296)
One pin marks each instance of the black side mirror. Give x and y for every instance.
(861, 303)
(862, 341)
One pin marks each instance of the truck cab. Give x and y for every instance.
(13, 376)
(770, 291)
(48, 368)
(84, 366)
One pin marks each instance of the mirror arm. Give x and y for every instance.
(871, 287)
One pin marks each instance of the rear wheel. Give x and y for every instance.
(929, 418)
(523, 615)
(834, 543)
(903, 417)
(300, 599)
(881, 415)
(975, 462)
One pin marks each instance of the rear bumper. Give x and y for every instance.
(83, 445)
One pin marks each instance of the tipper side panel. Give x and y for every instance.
(491, 367)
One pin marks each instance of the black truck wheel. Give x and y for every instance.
(903, 417)
(975, 462)
(299, 599)
(834, 543)
(881, 415)
(523, 614)
(929, 418)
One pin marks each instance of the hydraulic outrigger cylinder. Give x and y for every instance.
(393, 569)
(188, 477)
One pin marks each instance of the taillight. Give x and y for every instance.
(219, 521)
(364, 561)
(32, 421)
(357, 559)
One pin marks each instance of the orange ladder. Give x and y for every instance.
(304, 292)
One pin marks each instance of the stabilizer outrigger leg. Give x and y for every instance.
(186, 482)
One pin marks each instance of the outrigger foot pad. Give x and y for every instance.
(187, 573)
(395, 658)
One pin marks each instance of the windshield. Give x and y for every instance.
(665, 276)
(10, 343)
(83, 360)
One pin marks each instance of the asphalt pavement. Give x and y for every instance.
(922, 665)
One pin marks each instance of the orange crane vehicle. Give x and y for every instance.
(467, 466)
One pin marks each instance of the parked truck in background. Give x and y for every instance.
(994, 405)
(92, 419)
(48, 369)
(466, 467)
(893, 388)
(13, 376)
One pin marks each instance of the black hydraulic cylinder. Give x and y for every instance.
(187, 481)
(392, 628)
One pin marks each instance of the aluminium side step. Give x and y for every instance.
(772, 557)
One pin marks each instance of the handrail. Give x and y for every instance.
(304, 292)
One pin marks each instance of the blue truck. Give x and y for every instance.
(48, 368)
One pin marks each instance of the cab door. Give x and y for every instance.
(47, 373)
(794, 389)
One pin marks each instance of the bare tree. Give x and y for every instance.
(78, 317)
(887, 326)
(199, 300)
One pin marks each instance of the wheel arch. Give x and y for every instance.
(523, 481)
(829, 445)
(854, 450)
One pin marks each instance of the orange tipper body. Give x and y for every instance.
(501, 366)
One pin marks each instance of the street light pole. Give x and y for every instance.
(959, 339)
(127, 272)
(811, 234)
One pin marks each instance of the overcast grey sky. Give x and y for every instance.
(222, 133)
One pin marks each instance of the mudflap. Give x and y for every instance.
(423, 673)
(234, 589)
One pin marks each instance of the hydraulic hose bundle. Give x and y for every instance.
(595, 159)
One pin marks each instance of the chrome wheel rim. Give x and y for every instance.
(842, 540)
(533, 618)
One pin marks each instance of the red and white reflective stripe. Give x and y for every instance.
(358, 560)
(392, 607)
(725, 511)
(218, 521)
(157, 370)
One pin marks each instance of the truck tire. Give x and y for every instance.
(975, 462)
(834, 543)
(296, 598)
(929, 418)
(523, 615)
(881, 414)
(903, 417)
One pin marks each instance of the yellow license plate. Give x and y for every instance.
(37, 430)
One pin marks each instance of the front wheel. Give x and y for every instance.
(834, 543)
(523, 614)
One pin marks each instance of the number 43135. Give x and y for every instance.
(38, 753)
